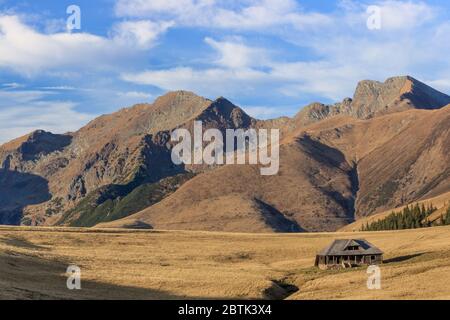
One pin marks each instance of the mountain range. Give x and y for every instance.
(387, 146)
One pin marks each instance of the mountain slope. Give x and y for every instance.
(113, 202)
(312, 189)
(441, 202)
(387, 146)
(400, 157)
(330, 173)
(126, 148)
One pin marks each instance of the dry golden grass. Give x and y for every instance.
(180, 264)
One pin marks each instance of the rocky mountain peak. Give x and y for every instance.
(179, 98)
(224, 114)
(373, 98)
(313, 112)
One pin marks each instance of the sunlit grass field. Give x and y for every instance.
(125, 264)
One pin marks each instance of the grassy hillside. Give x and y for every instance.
(114, 202)
(441, 202)
(180, 264)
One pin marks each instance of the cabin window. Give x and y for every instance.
(353, 248)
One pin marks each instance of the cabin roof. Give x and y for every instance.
(339, 247)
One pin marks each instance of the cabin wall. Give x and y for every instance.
(378, 259)
(328, 262)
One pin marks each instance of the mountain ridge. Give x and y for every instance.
(374, 98)
(131, 148)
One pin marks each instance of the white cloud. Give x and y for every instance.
(55, 25)
(288, 79)
(250, 14)
(243, 70)
(23, 111)
(27, 51)
(57, 117)
(235, 54)
(12, 85)
(232, 71)
(270, 13)
(335, 50)
(263, 112)
(441, 84)
(21, 96)
(135, 95)
(209, 82)
(59, 88)
(141, 8)
(344, 52)
(322, 78)
(397, 15)
(143, 33)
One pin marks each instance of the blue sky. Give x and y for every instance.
(271, 57)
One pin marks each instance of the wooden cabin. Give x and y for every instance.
(347, 253)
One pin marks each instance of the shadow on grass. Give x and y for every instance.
(22, 243)
(403, 258)
(28, 277)
(280, 290)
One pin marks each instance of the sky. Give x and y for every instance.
(270, 57)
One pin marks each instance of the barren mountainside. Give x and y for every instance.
(386, 146)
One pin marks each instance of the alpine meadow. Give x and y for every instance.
(212, 150)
